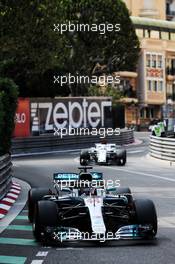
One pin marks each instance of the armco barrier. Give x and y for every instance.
(47, 143)
(162, 148)
(5, 174)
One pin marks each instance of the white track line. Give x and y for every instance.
(144, 174)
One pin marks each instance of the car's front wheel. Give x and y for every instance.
(46, 214)
(146, 214)
(34, 195)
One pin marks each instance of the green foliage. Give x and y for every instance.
(8, 104)
(1, 123)
(117, 50)
(32, 52)
(29, 46)
(108, 91)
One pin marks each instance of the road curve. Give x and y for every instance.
(145, 177)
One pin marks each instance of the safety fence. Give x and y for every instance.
(5, 174)
(162, 148)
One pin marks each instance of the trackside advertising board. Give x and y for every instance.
(22, 118)
(36, 116)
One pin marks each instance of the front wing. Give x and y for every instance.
(68, 234)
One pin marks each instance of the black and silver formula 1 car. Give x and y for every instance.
(103, 154)
(85, 208)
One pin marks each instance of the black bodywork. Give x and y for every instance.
(65, 216)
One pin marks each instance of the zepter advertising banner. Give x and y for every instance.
(75, 112)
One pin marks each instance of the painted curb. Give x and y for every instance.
(10, 198)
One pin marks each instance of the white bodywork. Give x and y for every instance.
(94, 205)
(102, 150)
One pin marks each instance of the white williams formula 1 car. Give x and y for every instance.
(103, 154)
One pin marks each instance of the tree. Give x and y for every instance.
(8, 104)
(32, 52)
(28, 43)
(117, 50)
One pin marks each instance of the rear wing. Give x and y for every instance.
(69, 176)
(62, 176)
(75, 180)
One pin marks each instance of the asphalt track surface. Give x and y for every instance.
(145, 177)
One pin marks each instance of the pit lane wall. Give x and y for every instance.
(5, 174)
(162, 148)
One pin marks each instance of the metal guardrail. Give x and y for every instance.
(162, 148)
(51, 143)
(5, 174)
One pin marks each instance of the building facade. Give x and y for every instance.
(170, 10)
(156, 68)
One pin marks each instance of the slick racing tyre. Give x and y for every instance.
(46, 214)
(84, 158)
(146, 214)
(34, 195)
(122, 161)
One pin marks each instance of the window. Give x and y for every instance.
(149, 112)
(142, 113)
(160, 86)
(173, 93)
(148, 60)
(154, 61)
(160, 61)
(169, 90)
(149, 83)
(155, 86)
(167, 8)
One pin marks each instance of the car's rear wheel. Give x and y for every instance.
(84, 162)
(122, 161)
(34, 195)
(146, 214)
(46, 214)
